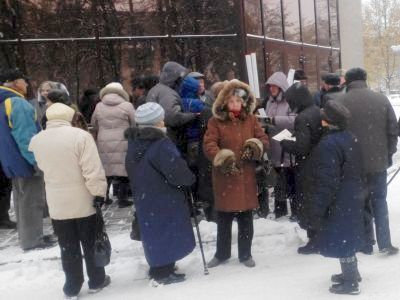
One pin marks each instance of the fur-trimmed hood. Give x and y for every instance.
(220, 109)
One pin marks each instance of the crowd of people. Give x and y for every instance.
(172, 140)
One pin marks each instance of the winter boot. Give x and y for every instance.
(122, 195)
(215, 262)
(171, 278)
(349, 286)
(106, 282)
(391, 250)
(310, 248)
(338, 278)
(250, 263)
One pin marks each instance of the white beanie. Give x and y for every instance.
(114, 88)
(59, 111)
(149, 114)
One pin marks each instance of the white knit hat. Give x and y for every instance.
(149, 114)
(59, 111)
(114, 88)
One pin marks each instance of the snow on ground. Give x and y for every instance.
(280, 272)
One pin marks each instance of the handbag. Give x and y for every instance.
(135, 232)
(102, 245)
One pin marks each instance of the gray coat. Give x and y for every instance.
(112, 116)
(279, 109)
(373, 123)
(164, 93)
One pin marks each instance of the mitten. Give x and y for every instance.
(225, 162)
(252, 150)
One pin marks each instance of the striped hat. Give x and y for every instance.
(149, 114)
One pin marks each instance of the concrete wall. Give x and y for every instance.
(351, 33)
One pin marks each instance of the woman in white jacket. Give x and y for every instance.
(74, 179)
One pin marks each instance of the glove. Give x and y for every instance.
(229, 167)
(98, 201)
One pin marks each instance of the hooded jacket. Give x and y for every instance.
(18, 124)
(225, 139)
(165, 93)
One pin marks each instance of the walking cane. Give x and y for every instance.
(189, 192)
(394, 175)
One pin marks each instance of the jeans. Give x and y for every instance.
(73, 233)
(376, 209)
(224, 234)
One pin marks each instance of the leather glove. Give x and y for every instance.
(98, 201)
(229, 167)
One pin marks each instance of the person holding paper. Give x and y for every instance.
(307, 130)
(280, 117)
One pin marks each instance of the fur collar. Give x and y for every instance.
(146, 133)
(220, 110)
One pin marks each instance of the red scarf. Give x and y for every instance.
(236, 113)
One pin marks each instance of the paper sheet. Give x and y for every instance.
(284, 135)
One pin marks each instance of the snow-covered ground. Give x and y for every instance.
(280, 274)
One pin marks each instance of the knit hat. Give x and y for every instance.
(114, 88)
(331, 79)
(355, 74)
(149, 114)
(59, 111)
(59, 96)
(335, 114)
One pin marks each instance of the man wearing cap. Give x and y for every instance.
(18, 124)
(374, 124)
(332, 88)
(166, 93)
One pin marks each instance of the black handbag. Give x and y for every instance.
(102, 245)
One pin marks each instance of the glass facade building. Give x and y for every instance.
(89, 43)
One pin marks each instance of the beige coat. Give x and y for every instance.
(73, 172)
(112, 116)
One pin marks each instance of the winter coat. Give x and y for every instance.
(40, 107)
(112, 116)
(373, 123)
(165, 94)
(337, 197)
(278, 109)
(332, 94)
(72, 169)
(192, 103)
(157, 176)
(226, 136)
(18, 124)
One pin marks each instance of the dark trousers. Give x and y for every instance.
(162, 271)
(72, 234)
(376, 209)
(224, 234)
(121, 186)
(285, 189)
(5, 195)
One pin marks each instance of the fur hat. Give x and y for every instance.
(331, 79)
(355, 74)
(149, 114)
(300, 75)
(114, 88)
(60, 111)
(335, 114)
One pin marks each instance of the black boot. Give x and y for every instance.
(349, 286)
(310, 248)
(123, 195)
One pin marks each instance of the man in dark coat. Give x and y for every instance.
(307, 130)
(374, 124)
(166, 93)
(332, 87)
(158, 175)
(337, 197)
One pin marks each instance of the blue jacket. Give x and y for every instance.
(18, 125)
(192, 103)
(337, 197)
(157, 174)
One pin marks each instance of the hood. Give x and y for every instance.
(279, 79)
(171, 72)
(219, 108)
(140, 139)
(112, 99)
(114, 88)
(298, 97)
(189, 88)
(6, 93)
(60, 111)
